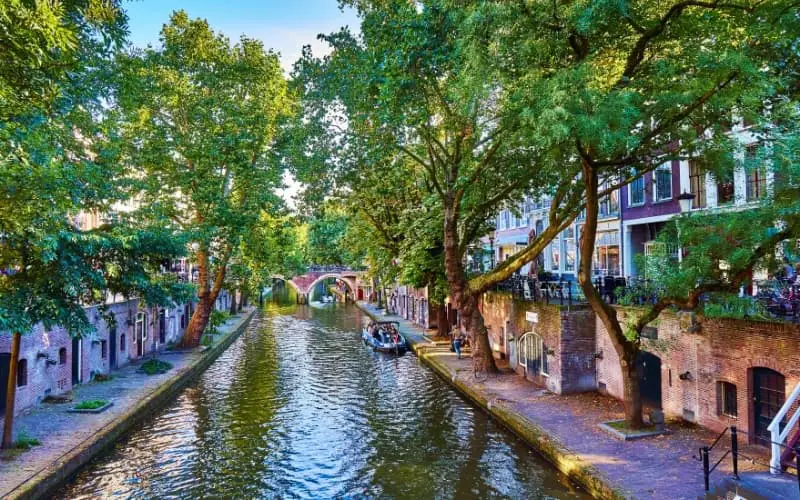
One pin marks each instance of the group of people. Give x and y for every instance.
(384, 333)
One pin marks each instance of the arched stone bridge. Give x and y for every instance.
(305, 283)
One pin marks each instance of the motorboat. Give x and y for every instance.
(384, 336)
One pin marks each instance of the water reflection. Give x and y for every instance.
(299, 407)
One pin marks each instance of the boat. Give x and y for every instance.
(386, 337)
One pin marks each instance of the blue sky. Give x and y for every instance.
(283, 25)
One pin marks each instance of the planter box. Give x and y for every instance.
(94, 410)
(631, 435)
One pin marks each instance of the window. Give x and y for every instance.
(103, 349)
(756, 174)
(725, 187)
(141, 327)
(636, 192)
(555, 255)
(662, 179)
(62, 356)
(22, 373)
(569, 249)
(609, 204)
(606, 253)
(726, 399)
(697, 184)
(122, 343)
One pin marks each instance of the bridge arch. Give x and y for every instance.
(347, 281)
(287, 281)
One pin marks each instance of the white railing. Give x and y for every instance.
(779, 437)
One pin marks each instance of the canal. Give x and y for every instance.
(298, 407)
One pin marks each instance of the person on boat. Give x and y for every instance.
(395, 336)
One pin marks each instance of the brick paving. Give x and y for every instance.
(657, 467)
(60, 432)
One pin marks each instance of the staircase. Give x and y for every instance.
(784, 441)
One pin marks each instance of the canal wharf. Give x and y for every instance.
(564, 429)
(71, 440)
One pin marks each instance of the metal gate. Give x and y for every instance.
(531, 354)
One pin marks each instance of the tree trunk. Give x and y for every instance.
(466, 302)
(205, 300)
(243, 300)
(233, 309)
(626, 349)
(441, 321)
(11, 393)
(482, 358)
(631, 393)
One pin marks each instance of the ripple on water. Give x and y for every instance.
(299, 407)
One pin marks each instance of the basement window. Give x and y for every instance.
(726, 399)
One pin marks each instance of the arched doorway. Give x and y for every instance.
(769, 394)
(648, 368)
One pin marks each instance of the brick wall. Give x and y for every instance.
(48, 375)
(696, 355)
(569, 334)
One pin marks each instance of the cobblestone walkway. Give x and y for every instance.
(658, 467)
(60, 432)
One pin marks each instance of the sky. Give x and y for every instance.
(283, 25)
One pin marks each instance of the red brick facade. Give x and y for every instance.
(703, 371)
(47, 355)
(567, 336)
(698, 356)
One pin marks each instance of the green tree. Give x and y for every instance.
(407, 86)
(623, 87)
(327, 228)
(59, 159)
(199, 118)
(41, 42)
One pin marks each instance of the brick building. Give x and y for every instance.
(550, 345)
(412, 304)
(714, 372)
(51, 362)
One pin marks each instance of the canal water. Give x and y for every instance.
(299, 407)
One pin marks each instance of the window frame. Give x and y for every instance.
(636, 182)
(756, 178)
(725, 399)
(663, 168)
(697, 175)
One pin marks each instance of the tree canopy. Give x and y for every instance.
(199, 120)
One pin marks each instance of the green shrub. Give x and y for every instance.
(25, 442)
(207, 340)
(91, 404)
(217, 318)
(155, 367)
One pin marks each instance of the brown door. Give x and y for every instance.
(769, 393)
